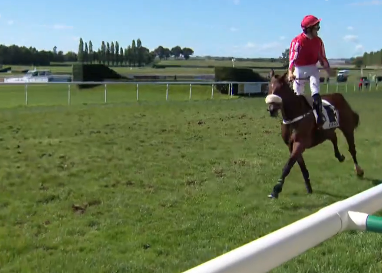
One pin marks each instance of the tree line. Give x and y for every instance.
(133, 55)
(368, 58)
(108, 53)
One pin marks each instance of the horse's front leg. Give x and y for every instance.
(305, 173)
(297, 150)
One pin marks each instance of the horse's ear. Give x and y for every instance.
(284, 77)
(272, 74)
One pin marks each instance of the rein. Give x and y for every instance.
(297, 118)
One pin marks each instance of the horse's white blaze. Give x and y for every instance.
(273, 99)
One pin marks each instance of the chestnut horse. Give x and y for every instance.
(299, 129)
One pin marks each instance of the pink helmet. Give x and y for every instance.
(309, 21)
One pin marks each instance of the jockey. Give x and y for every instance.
(305, 51)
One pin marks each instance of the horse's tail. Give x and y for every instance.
(356, 119)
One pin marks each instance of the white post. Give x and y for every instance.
(69, 99)
(167, 92)
(105, 93)
(231, 89)
(26, 94)
(137, 91)
(190, 92)
(212, 91)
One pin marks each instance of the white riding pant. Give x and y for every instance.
(304, 74)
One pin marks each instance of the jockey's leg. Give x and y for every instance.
(315, 92)
(298, 83)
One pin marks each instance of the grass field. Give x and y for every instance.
(164, 186)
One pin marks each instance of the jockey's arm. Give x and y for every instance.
(293, 54)
(324, 61)
(322, 56)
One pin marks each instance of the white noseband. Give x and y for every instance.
(273, 99)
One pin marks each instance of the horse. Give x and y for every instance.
(299, 128)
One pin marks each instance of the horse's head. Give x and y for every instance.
(278, 91)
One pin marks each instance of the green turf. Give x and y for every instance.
(163, 187)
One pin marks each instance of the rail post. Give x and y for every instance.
(26, 94)
(166, 92)
(69, 95)
(190, 92)
(212, 91)
(137, 91)
(105, 99)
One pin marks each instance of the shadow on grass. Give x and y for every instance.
(333, 195)
(305, 207)
(373, 181)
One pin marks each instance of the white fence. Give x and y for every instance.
(274, 249)
(137, 84)
(325, 87)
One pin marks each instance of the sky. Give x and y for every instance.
(237, 28)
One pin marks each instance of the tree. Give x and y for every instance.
(112, 53)
(139, 53)
(103, 53)
(358, 62)
(127, 55)
(81, 51)
(167, 53)
(133, 53)
(285, 57)
(116, 53)
(121, 57)
(176, 51)
(187, 52)
(86, 53)
(108, 53)
(91, 53)
(159, 51)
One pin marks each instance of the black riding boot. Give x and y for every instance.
(317, 105)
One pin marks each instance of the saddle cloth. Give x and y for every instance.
(329, 112)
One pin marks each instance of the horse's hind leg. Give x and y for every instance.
(305, 174)
(337, 154)
(349, 135)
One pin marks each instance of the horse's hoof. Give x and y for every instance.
(273, 196)
(341, 158)
(360, 173)
(309, 191)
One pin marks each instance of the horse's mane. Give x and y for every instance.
(289, 90)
